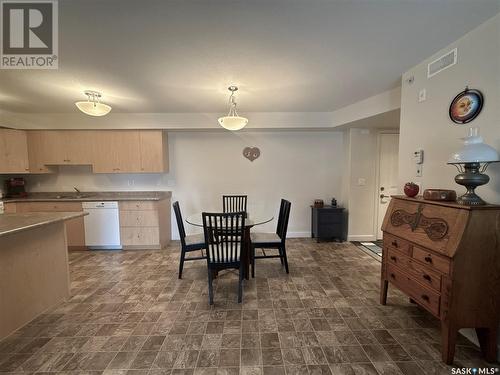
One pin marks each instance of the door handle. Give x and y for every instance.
(382, 196)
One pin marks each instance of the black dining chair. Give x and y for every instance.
(189, 243)
(272, 240)
(224, 238)
(234, 203)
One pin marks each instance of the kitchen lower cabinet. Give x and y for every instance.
(145, 224)
(75, 230)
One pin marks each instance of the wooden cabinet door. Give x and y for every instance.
(40, 150)
(154, 151)
(13, 151)
(117, 151)
(78, 146)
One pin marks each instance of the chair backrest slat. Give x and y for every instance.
(234, 203)
(224, 234)
(284, 215)
(180, 223)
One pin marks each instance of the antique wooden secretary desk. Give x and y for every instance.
(446, 258)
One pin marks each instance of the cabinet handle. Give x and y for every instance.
(425, 297)
(394, 258)
(394, 243)
(428, 259)
(426, 277)
(393, 276)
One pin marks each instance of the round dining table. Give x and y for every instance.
(255, 216)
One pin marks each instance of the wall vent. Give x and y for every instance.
(442, 63)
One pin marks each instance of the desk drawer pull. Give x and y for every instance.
(394, 243)
(393, 276)
(428, 259)
(427, 277)
(394, 258)
(425, 297)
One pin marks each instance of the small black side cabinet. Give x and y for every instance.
(328, 223)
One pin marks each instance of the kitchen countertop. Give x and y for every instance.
(92, 196)
(14, 223)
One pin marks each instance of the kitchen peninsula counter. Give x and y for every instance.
(34, 272)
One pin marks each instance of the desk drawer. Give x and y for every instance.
(435, 261)
(425, 275)
(424, 296)
(397, 243)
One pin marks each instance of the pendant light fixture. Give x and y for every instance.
(232, 121)
(93, 105)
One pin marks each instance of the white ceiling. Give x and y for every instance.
(286, 55)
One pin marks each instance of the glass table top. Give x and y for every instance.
(255, 216)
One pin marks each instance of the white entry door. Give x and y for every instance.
(388, 174)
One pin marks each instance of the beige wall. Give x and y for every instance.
(426, 125)
(298, 165)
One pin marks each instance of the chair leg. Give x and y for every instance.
(240, 284)
(210, 288)
(281, 256)
(181, 263)
(252, 260)
(285, 258)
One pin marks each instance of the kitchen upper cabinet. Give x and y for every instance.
(13, 151)
(131, 151)
(59, 147)
(108, 151)
(117, 151)
(154, 151)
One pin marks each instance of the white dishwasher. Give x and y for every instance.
(102, 225)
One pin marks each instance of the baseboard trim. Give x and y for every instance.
(361, 238)
(298, 234)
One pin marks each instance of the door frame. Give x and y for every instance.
(377, 178)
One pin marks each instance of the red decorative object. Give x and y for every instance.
(411, 189)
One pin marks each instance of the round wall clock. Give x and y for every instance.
(466, 106)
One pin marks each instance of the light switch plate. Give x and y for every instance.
(422, 95)
(361, 181)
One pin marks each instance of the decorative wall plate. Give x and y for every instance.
(466, 106)
(251, 153)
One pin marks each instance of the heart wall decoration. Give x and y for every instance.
(251, 153)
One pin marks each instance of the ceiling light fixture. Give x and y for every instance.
(232, 121)
(93, 106)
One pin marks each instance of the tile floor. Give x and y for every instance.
(129, 314)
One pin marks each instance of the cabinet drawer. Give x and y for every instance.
(329, 217)
(397, 243)
(438, 262)
(421, 273)
(137, 205)
(138, 218)
(49, 207)
(424, 296)
(135, 236)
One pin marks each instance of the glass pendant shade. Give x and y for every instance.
(232, 121)
(92, 106)
(474, 150)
